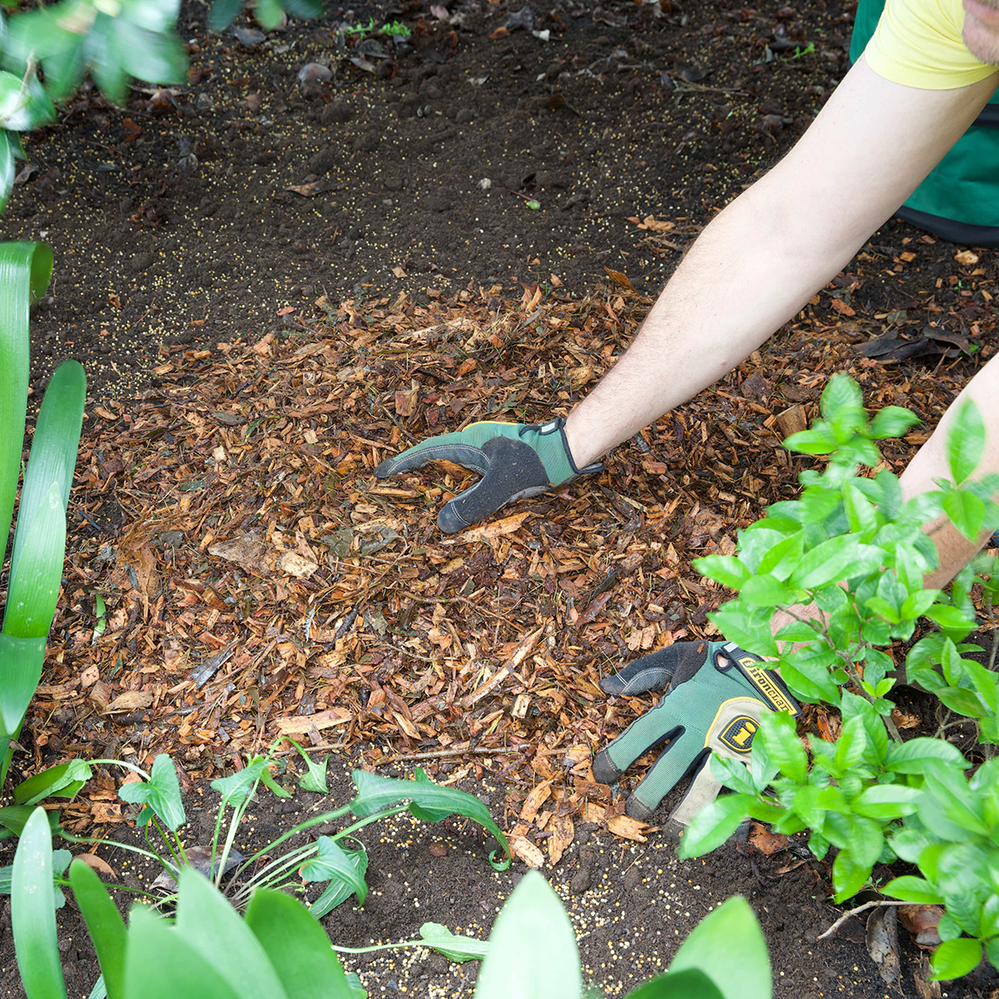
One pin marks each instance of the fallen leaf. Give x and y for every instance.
(296, 565)
(618, 277)
(97, 864)
(495, 529)
(307, 190)
(131, 700)
(628, 828)
(882, 942)
(766, 841)
(966, 258)
(246, 550)
(534, 800)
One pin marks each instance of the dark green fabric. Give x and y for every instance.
(964, 186)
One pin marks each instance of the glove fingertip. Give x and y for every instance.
(637, 810)
(604, 770)
(450, 521)
(611, 685)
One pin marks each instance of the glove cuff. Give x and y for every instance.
(552, 447)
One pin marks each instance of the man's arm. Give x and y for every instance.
(761, 259)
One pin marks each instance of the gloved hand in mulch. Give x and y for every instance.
(515, 460)
(716, 695)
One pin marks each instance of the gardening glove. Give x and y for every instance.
(715, 698)
(515, 460)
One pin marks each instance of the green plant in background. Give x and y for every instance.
(852, 547)
(395, 29)
(39, 545)
(278, 949)
(339, 859)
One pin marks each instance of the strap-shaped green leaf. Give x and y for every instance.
(297, 946)
(532, 948)
(25, 269)
(20, 670)
(333, 862)
(689, 984)
(223, 13)
(104, 924)
(32, 912)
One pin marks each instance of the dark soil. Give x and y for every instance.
(228, 208)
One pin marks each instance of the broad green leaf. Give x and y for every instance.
(780, 740)
(713, 824)
(965, 510)
(24, 105)
(731, 773)
(893, 421)
(428, 801)
(108, 73)
(949, 787)
(297, 947)
(61, 781)
(954, 958)
(689, 984)
(725, 569)
(211, 928)
(32, 912)
(834, 560)
(338, 891)
(909, 888)
(160, 964)
(452, 946)
(841, 395)
(532, 948)
(849, 876)
(268, 14)
(859, 510)
(765, 591)
(886, 801)
(104, 924)
(153, 15)
(223, 13)
(315, 777)
(965, 440)
(332, 862)
(745, 971)
(147, 55)
(161, 793)
(739, 625)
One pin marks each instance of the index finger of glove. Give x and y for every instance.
(656, 670)
(435, 449)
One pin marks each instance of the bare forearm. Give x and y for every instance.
(741, 281)
(763, 257)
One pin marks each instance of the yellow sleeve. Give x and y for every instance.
(918, 43)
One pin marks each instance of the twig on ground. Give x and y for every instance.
(860, 908)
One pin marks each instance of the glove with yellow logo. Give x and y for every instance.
(716, 695)
(515, 461)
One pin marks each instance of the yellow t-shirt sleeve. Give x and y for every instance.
(918, 43)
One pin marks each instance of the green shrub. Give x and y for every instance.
(855, 549)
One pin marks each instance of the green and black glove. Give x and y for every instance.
(716, 695)
(515, 461)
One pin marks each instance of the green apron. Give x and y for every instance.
(959, 200)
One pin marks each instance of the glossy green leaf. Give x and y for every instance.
(910, 757)
(834, 560)
(780, 740)
(532, 948)
(886, 801)
(893, 421)
(739, 626)
(965, 510)
(965, 440)
(909, 888)
(954, 958)
(32, 912)
(297, 947)
(24, 105)
(61, 781)
(160, 964)
(745, 971)
(25, 269)
(339, 890)
(161, 793)
(713, 824)
(314, 778)
(104, 924)
(453, 946)
(148, 55)
(849, 876)
(332, 862)
(724, 569)
(223, 13)
(428, 801)
(210, 927)
(21, 661)
(689, 984)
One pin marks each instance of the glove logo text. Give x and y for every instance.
(739, 732)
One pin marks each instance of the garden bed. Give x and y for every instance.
(329, 281)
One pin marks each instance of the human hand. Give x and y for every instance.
(716, 695)
(515, 461)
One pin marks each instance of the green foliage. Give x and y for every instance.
(279, 951)
(854, 547)
(40, 538)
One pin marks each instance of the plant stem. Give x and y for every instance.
(852, 912)
(851, 669)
